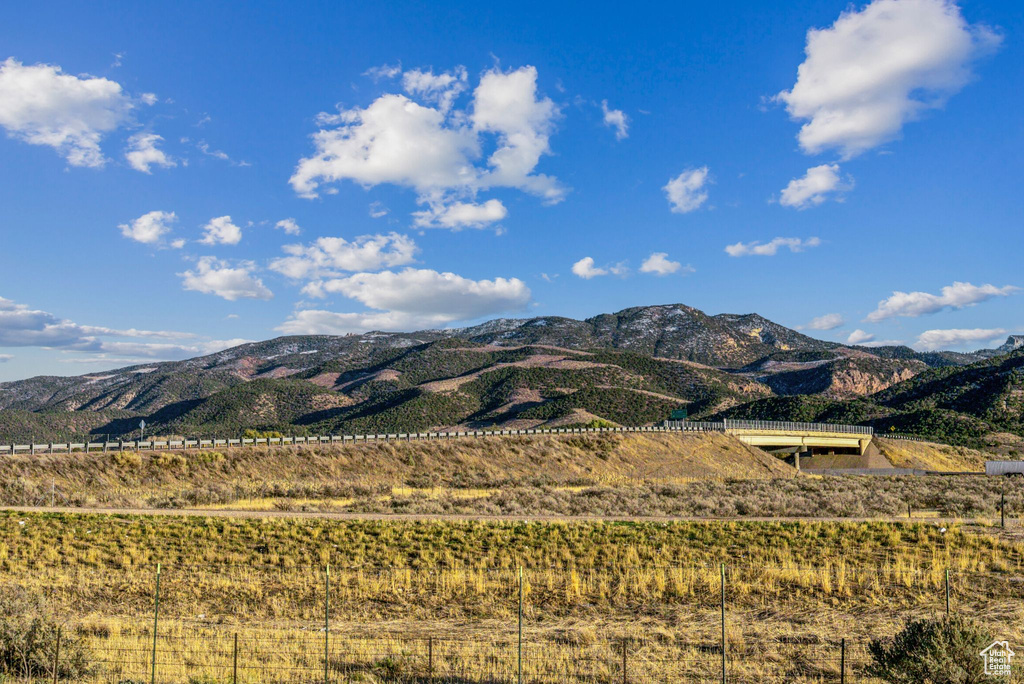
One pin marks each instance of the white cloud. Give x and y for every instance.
(149, 98)
(394, 140)
(150, 227)
(585, 269)
(21, 326)
(178, 244)
(41, 105)
(658, 263)
(458, 215)
(4, 358)
(378, 210)
(289, 226)
(383, 71)
(686, 192)
(506, 103)
(770, 248)
(440, 89)
(435, 149)
(221, 231)
(955, 296)
(217, 277)
(931, 340)
(877, 68)
(827, 322)
(328, 256)
(142, 152)
(617, 119)
(407, 300)
(859, 336)
(814, 187)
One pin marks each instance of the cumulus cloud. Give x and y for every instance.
(221, 231)
(955, 296)
(772, 248)
(440, 89)
(41, 105)
(686, 192)
(458, 215)
(814, 188)
(585, 269)
(859, 336)
(879, 67)
(149, 228)
(22, 326)
(617, 119)
(328, 256)
(217, 277)
(407, 300)
(658, 263)
(289, 226)
(931, 340)
(434, 148)
(827, 322)
(142, 152)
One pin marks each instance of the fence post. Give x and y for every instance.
(1002, 506)
(625, 677)
(910, 514)
(56, 658)
(947, 593)
(430, 659)
(723, 624)
(842, 661)
(519, 668)
(327, 617)
(156, 617)
(234, 662)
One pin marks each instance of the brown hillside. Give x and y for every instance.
(144, 479)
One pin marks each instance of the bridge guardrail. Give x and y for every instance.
(213, 443)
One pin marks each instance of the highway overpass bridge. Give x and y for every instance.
(784, 437)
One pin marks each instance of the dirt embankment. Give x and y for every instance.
(602, 459)
(930, 456)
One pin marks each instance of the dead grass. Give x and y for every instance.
(931, 456)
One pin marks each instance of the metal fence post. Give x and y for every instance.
(1002, 506)
(156, 617)
(842, 661)
(56, 658)
(625, 676)
(724, 679)
(430, 659)
(327, 617)
(519, 668)
(234, 662)
(947, 593)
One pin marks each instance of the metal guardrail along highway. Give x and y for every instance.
(669, 426)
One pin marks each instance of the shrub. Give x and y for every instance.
(171, 462)
(127, 459)
(28, 639)
(942, 651)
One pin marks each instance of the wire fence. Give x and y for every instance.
(735, 623)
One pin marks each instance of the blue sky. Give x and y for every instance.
(851, 169)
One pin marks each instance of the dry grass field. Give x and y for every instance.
(399, 589)
(438, 599)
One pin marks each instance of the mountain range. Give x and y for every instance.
(630, 367)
